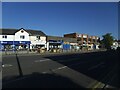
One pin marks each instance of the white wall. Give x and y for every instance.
(47, 46)
(43, 38)
(93, 37)
(32, 38)
(9, 38)
(97, 46)
(35, 41)
(97, 37)
(19, 33)
(84, 36)
(73, 43)
(115, 43)
(79, 35)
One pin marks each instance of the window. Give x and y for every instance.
(22, 31)
(4, 36)
(22, 37)
(79, 39)
(93, 40)
(38, 37)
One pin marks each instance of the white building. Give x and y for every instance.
(115, 45)
(38, 39)
(21, 39)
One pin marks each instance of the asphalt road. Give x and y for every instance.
(78, 70)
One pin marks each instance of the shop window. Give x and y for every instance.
(79, 39)
(4, 36)
(22, 37)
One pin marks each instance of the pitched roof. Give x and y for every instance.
(13, 31)
(36, 32)
(8, 31)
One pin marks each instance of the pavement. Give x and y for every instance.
(70, 70)
(3, 53)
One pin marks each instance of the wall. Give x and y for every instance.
(35, 41)
(9, 38)
(19, 33)
(72, 35)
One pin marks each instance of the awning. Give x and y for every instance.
(14, 42)
(6, 42)
(24, 42)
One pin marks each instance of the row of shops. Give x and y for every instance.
(10, 45)
(51, 44)
(12, 39)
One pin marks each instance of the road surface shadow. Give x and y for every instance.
(38, 80)
(100, 73)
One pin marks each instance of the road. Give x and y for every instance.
(78, 70)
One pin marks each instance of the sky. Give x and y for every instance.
(57, 19)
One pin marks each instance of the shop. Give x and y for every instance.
(70, 43)
(54, 43)
(14, 45)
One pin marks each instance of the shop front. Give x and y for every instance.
(13, 45)
(23, 45)
(55, 45)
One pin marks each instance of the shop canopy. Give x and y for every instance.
(14, 42)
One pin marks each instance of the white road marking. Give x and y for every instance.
(42, 60)
(44, 72)
(52, 70)
(58, 68)
(78, 63)
(100, 64)
(62, 67)
(31, 76)
(7, 65)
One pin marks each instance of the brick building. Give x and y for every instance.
(83, 39)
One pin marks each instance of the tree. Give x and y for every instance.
(107, 40)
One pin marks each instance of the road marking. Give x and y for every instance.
(100, 64)
(78, 63)
(82, 62)
(42, 60)
(104, 85)
(7, 65)
(62, 67)
(58, 68)
(108, 86)
(44, 72)
(73, 59)
(97, 85)
(52, 70)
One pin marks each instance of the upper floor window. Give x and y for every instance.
(38, 37)
(22, 31)
(22, 37)
(4, 36)
(93, 40)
